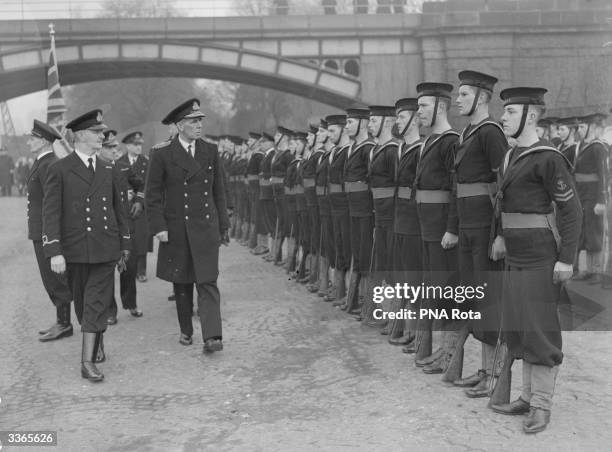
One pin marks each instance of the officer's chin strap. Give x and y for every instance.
(435, 112)
(522, 123)
(358, 127)
(405, 129)
(475, 103)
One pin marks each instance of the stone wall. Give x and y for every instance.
(560, 49)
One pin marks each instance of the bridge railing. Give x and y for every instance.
(87, 9)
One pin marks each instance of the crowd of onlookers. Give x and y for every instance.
(13, 173)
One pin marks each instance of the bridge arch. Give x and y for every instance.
(23, 70)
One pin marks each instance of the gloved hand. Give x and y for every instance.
(562, 272)
(58, 264)
(136, 210)
(162, 236)
(599, 209)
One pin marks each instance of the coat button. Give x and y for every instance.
(104, 208)
(185, 183)
(186, 206)
(87, 200)
(186, 217)
(88, 229)
(205, 193)
(87, 209)
(205, 204)
(88, 219)
(210, 167)
(205, 181)
(207, 216)
(105, 227)
(105, 218)
(186, 195)
(103, 198)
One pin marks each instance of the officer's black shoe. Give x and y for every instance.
(136, 312)
(91, 372)
(57, 331)
(536, 421)
(185, 340)
(212, 345)
(516, 407)
(111, 321)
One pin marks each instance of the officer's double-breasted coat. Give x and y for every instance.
(185, 196)
(84, 218)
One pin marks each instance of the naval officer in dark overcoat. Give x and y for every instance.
(185, 200)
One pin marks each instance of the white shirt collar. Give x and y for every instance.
(42, 154)
(84, 158)
(185, 144)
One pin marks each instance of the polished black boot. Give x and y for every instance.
(100, 355)
(88, 355)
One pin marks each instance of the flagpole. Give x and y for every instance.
(55, 101)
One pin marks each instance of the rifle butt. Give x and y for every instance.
(501, 391)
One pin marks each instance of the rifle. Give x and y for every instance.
(500, 389)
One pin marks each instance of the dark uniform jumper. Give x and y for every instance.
(437, 215)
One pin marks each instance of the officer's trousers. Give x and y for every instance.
(209, 308)
(92, 288)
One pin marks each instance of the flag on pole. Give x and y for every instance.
(56, 107)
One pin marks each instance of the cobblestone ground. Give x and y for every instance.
(296, 374)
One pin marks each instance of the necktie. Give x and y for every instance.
(189, 150)
(90, 166)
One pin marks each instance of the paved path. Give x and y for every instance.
(296, 374)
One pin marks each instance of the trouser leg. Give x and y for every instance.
(127, 284)
(141, 262)
(184, 307)
(209, 309)
(94, 284)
